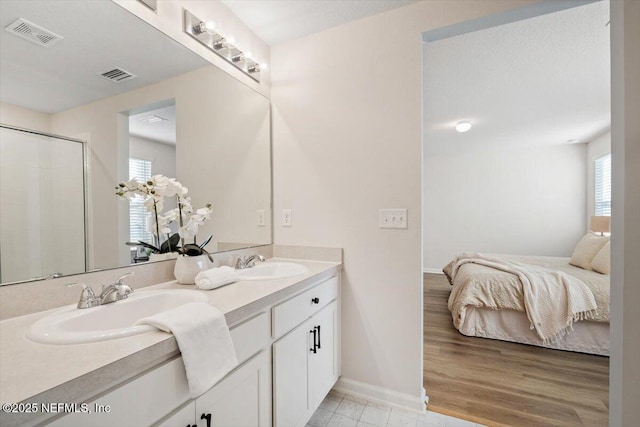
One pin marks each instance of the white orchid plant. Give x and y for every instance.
(154, 191)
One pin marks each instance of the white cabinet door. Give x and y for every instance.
(290, 383)
(323, 363)
(241, 399)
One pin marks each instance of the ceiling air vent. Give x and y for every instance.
(32, 32)
(118, 75)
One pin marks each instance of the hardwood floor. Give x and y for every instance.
(500, 383)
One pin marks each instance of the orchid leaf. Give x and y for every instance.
(191, 249)
(170, 244)
(145, 245)
(208, 254)
(206, 241)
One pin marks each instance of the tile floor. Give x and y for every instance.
(340, 410)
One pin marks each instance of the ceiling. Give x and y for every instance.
(66, 74)
(539, 81)
(278, 21)
(161, 131)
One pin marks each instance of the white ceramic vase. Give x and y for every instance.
(187, 267)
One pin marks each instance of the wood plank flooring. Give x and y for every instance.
(500, 383)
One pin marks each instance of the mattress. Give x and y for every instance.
(489, 303)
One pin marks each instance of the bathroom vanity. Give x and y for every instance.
(286, 333)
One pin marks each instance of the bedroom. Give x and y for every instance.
(521, 181)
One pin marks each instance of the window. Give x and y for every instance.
(141, 171)
(603, 186)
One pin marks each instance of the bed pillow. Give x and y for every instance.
(586, 250)
(602, 261)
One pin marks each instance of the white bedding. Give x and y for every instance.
(489, 303)
(513, 326)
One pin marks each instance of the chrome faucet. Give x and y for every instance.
(110, 293)
(248, 262)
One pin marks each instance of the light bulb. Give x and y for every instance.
(248, 55)
(463, 126)
(264, 66)
(230, 40)
(210, 25)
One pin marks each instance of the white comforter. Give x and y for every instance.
(496, 283)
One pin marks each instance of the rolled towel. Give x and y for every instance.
(204, 340)
(216, 277)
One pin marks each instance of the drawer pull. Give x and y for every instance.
(206, 417)
(315, 300)
(313, 331)
(319, 346)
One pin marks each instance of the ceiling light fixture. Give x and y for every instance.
(463, 126)
(153, 119)
(224, 46)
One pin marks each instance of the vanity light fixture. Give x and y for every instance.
(224, 46)
(203, 27)
(463, 126)
(219, 44)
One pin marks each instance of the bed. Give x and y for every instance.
(490, 302)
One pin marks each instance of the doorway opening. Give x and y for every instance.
(534, 87)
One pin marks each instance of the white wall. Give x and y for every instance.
(347, 142)
(599, 147)
(162, 156)
(14, 115)
(526, 201)
(624, 381)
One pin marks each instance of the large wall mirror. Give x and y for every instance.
(66, 112)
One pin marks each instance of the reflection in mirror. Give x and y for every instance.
(152, 151)
(221, 133)
(42, 229)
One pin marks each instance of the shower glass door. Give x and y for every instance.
(42, 206)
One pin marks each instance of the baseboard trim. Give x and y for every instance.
(432, 270)
(382, 395)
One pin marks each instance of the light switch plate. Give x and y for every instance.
(260, 218)
(393, 218)
(286, 217)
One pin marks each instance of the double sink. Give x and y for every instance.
(70, 325)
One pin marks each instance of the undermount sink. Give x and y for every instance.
(272, 270)
(70, 325)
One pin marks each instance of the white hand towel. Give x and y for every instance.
(216, 277)
(204, 340)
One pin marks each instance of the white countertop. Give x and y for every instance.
(32, 372)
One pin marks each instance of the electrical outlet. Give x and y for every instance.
(393, 218)
(286, 217)
(260, 218)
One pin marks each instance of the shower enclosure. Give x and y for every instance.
(42, 205)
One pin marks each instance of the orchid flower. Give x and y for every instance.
(154, 191)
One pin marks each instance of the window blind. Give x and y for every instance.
(603, 186)
(140, 170)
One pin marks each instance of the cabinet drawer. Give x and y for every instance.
(140, 402)
(251, 336)
(296, 310)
